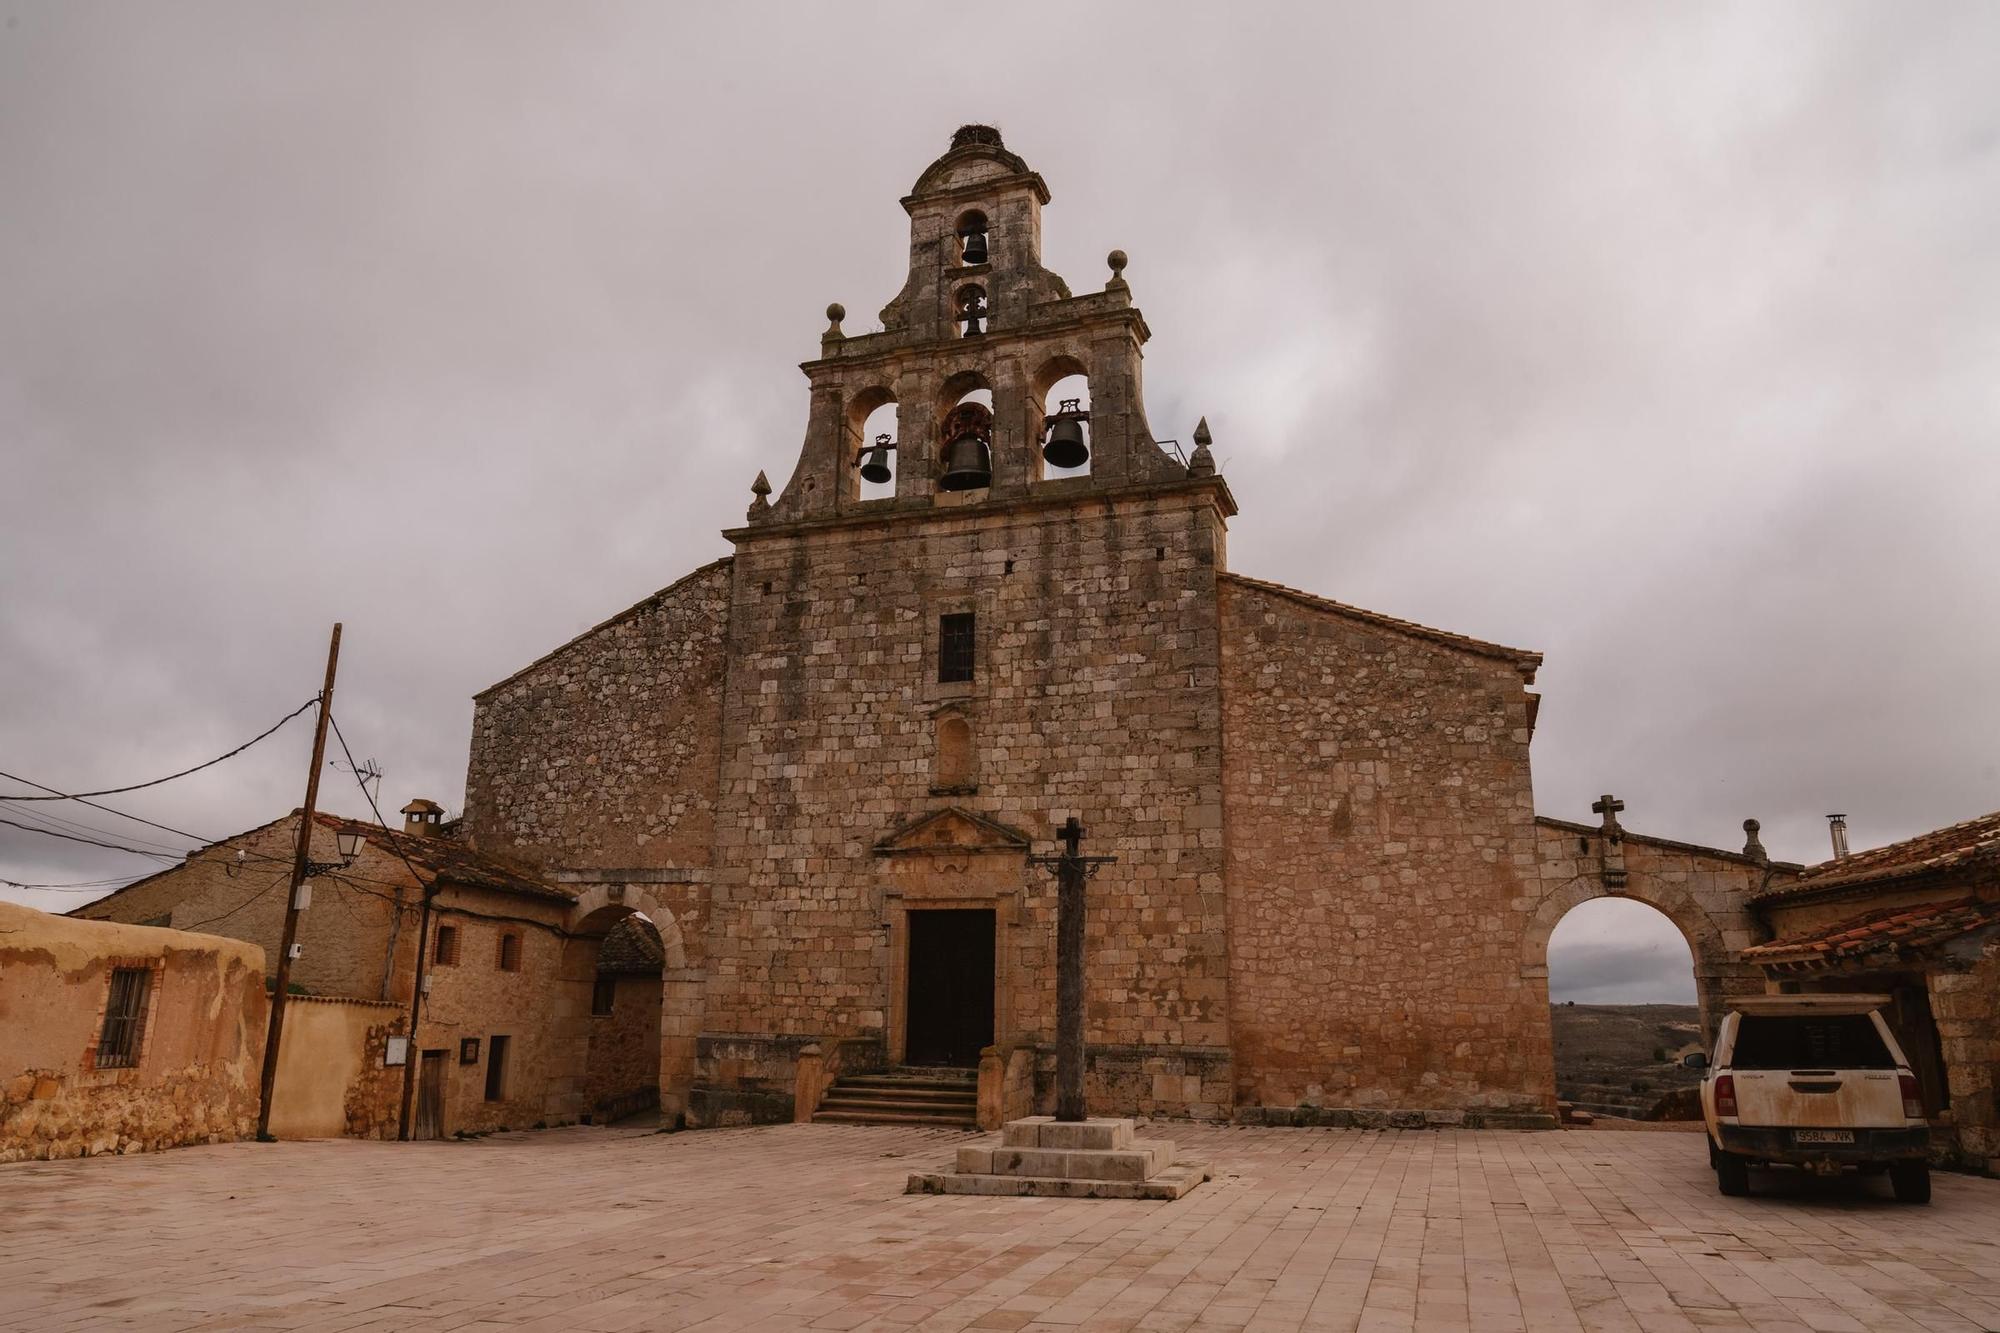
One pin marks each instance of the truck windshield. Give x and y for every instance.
(1809, 1041)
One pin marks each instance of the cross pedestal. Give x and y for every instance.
(1069, 1155)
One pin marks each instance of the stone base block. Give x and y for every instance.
(1090, 1159)
(1170, 1183)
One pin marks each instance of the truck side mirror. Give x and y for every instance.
(1695, 1060)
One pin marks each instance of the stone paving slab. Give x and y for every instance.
(807, 1227)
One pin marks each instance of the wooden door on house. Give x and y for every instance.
(430, 1097)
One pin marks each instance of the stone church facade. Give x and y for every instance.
(821, 764)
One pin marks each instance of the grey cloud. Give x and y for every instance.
(1659, 340)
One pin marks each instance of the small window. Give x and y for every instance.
(602, 995)
(468, 1050)
(496, 1067)
(124, 1018)
(955, 647)
(444, 952)
(1809, 1041)
(510, 952)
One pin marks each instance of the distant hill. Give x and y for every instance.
(1620, 1059)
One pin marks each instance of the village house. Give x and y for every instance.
(505, 1036)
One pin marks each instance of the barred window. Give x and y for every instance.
(124, 1018)
(955, 647)
(510, 952)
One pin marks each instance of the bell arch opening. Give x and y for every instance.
(970, 311)
(1062, 406)
(1625, 1010)
(965, 433)
(870, 415)
(971, 233)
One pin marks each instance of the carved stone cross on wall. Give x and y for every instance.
(1610, 841)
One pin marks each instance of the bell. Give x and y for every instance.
(972, 329)
(875, 461)
(967, 465)
(975, 247)
(1065, 447)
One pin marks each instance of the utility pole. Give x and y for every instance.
(410, 1053)
(302, 865)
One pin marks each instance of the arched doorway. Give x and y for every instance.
(628, 1008)
(1623, 1008)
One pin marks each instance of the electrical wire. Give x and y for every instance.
(276, 880)
(50, 819)
(113, 791)
(111, 846)
(164, 828)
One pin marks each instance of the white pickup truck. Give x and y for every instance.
(1817, 1082)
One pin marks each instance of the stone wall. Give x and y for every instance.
(200, 1049)
(344, 936)
(1094, 694)
(603, 753)
(1381, 864)
(625, 1043)
(332, 1081)
(474, 998)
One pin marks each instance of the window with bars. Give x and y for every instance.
(510, 952)
(954, 647)
(444, 949)
(124, 1018)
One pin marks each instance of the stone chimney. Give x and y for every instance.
(1837, 826)
(421, 818)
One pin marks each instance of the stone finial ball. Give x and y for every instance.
(1117, 261)
(836, 312)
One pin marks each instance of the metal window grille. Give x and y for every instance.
(124, 1018)
(510, 953)
(955, 647)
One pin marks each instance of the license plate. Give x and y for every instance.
(1822, 1136)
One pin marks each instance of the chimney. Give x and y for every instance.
(421, 818)
(1837, 826)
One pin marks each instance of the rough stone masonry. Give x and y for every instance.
(879, 707)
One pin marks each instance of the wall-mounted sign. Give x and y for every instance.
(468, 1050)
(397, 1051)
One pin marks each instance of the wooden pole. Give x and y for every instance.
(301, 858)
(1070, 876)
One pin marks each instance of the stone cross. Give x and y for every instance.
(1611, 841)
(1072, 870)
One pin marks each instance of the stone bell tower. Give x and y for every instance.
(923, 684)
(977, 312)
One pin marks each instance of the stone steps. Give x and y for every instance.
(910, 1097)
(1091, 1159)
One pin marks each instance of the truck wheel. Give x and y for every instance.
(1732, 1175)
(1911, 1181)
(1713, 1155)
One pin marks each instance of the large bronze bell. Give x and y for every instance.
(968, 465)
(875, 461)
(1066, 447)
(975, 247)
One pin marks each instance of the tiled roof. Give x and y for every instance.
(1520, 657)
(1889, 930)
(632, 947)
(1967, 846)
(441, 858)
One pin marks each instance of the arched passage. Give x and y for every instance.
(582, 1082)
(1622, 992)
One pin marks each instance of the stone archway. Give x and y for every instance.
(1704, 891)
(597, 907)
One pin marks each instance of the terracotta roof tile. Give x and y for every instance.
(632, 946)
(1884, 930)
(1966, 846)
(441, 858)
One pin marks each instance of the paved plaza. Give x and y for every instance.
(806, 1226)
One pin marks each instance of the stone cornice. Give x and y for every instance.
(924, 510)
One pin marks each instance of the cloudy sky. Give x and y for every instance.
(1662, 339)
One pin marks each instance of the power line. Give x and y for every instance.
(113, 791)
(282, 877)
(72, 886)
(50, 819)
(165, 828)
(112, 846)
